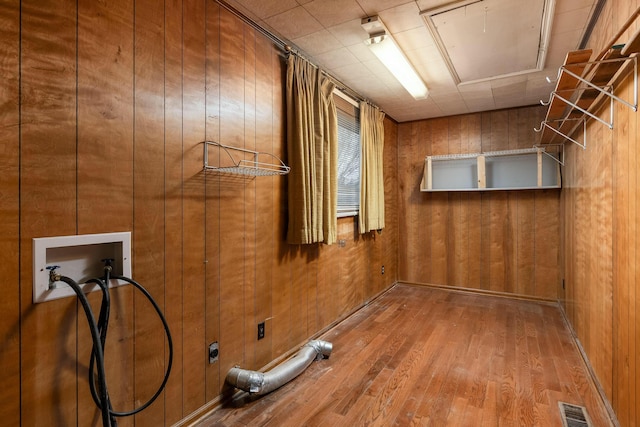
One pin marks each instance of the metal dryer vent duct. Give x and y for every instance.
(264, 382)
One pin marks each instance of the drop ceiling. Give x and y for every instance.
(462, 77)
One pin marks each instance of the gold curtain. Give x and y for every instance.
(312, 146)
(371, 216)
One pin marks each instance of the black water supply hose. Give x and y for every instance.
(103, 324)
(95, 337)
(156, 307)
(99, 330)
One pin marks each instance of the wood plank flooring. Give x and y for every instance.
(427, 356)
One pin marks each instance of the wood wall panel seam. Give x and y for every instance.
(10, 305)
(172, 90)
(47, 122)
(195, 357)
(213, 378)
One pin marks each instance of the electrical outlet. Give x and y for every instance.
(260, 330)
(382, 270)
(562, 283)
(214, 352)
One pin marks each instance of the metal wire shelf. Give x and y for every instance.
(486, 154)
(241, 166)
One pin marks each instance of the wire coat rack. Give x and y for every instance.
(241, 161)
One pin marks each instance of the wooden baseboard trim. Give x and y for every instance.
(592, 375)
(199, 414)
(482, 292)
(204, 411)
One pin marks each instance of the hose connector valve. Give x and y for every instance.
(53, 275)
(108, 264)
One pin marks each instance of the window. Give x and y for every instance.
(348, 156)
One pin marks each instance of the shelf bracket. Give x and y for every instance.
(542, 148)
(605, 92)
(545, 124)
(582, 110)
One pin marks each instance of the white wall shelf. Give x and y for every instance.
(526, 169)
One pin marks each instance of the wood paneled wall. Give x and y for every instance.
(10, 212)
(502, 241)
(103, 110)
(600, 236)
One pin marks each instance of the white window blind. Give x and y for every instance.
(348, 158)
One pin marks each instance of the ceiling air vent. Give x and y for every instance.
(484, 39)
(573, 415)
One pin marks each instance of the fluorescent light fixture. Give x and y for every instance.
(385, 48)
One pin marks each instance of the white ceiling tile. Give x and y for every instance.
(475, 105)
(449, 102)
(317, 43)
(508, 81)
(539, 88)
(431, 67)
(477, 87)
(362, 86)
(559, 46)
(294, 23)
(425, 5)
(402, 18)
(334, 12)
(569, 5)
(570, 21)
(374, 7)
(413, 39)
(394, 96)
(509, 91)
(337, 58)
(537, 91)
(454, 109)
(369, 87)
(388, 79)
(266, 8)
(440, 97)
(353, 72)
(362, 52)
(376, 67)
(418, 111)
(510, 95)
(485, 104)
(349, 33)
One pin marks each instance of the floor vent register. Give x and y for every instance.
(574, 416)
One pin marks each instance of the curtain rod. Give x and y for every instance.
(289, 49)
